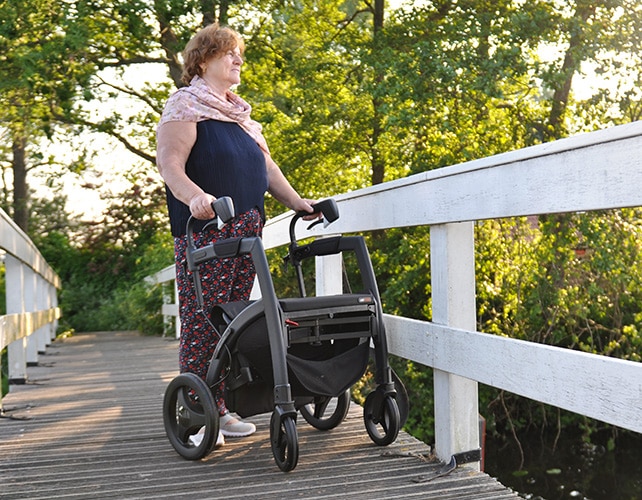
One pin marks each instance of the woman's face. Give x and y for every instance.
(224, 71)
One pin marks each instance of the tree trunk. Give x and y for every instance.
(20, 187)
(378, 166)
(169, 42)
(572, 62)
(222, 11)
(207, 11)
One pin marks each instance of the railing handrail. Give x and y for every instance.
(29, 324)
(15, 242)
(600, 170)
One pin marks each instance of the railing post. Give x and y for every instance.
(29, 305)
(52, 303)
(169, 291)
(42, 335)
(452, 263)
(17, 350)
(329, 275)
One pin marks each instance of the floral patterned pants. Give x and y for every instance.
(223, 280)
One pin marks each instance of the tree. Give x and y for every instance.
(304, 85)
(39, 47)
(605, 35)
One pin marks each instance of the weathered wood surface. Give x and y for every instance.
(94, 430)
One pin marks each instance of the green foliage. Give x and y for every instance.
(505, 266)
(401, 259)
(571, 280)
(304, 86)
(592, 286)
(418, 381)
(102, 266)
(134, 308)
(41, 52)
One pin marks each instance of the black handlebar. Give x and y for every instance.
(328, 208)
(224, 211)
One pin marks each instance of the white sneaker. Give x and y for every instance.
(233, 427)
(197, 439)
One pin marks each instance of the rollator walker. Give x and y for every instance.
(287, 355)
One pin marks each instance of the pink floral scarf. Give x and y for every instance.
(197, 103)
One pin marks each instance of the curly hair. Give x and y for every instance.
(212, 41)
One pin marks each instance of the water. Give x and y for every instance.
(573, 471)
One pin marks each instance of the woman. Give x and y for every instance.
(207, 147)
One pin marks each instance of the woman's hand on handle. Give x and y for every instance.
(305, 205)
(201, 206)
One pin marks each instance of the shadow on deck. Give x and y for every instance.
(89, 424)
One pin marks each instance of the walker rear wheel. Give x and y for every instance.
(188, 406)
(285, 442)
(325, 413)
(381, 416)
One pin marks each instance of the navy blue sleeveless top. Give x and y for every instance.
(225, 161)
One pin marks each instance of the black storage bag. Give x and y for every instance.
(314, 369)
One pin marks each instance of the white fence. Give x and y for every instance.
(601, 170)
(29, 324)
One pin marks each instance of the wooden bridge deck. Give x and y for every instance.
(89, 425)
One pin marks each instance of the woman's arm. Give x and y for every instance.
(174, 144)
(280, 188)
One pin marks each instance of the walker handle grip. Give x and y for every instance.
(224, 209)
(328, 208)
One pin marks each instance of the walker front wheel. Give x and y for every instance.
(285, 442)
(188, 407)
(381, 416)
(325, 413)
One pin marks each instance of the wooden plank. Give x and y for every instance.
(607, 389)
(95, 430)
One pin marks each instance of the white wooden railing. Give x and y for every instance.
(30, 322)
(601, 170)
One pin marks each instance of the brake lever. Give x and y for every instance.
(318, 221)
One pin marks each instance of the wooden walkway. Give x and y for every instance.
(89, 425)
